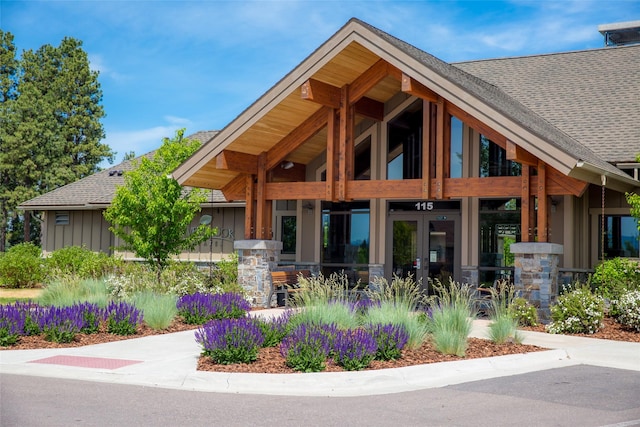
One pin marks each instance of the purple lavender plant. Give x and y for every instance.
(92, 316)
(390, 340)
(32, 313)
(11, 324)
(199, 308)
(228, 341)
(274, 329)
(354, 349)
(61, 324)
(123, 318)
(306, 348)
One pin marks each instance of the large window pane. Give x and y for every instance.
(499, 227)
(620, 236)
(404, 145)
(493, 160)
(456, 148)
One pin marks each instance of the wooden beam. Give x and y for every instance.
(426, 150)
(237, 162)
(249, 210)
(471, 121)
(543, 227)
(235, 189)
(297, 137)
(320, 92)
(387, 189)
(503, 186)
(440, 133)
(313, 190)
(262, 225)
(415, 88)
(525, 205)
(333, 135)
(329, 96)
(371, 77)
(570, 185)
(345, 144)
(519, 154)
(370, 108)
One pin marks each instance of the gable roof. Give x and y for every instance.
(591, 95)
(349, 53)
(96, 191)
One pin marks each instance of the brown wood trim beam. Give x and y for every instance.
(543, 227)
(504, 186)
(426, 149)
(333, 135)
(570, 185)
(386, 189)
(237, 162)
(525, 205)
(249, 210)
(440, 146)
(297, 137)
(345, 143)
(329, 96)
(415, 88)
(471, 121)
(295, 190)
(519, 154)
(371, 77)
(235, 189)
(262, 225)
(370, 108)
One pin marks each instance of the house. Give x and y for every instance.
(72, 215)
(393, 161)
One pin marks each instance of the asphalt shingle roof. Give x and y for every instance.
(98, 190)
(593, 96)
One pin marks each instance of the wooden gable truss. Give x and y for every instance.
(263, 180)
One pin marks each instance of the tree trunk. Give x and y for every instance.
(27, 226)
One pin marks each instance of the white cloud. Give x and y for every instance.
(98, 63)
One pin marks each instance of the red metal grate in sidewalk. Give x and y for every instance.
(87, 362)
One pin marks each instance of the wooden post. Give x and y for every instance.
(345, 149)
(543, 228)
(249, 210)
(333, 129)
(262, 227)
(426, 149)
(525, 205)
(440, 147)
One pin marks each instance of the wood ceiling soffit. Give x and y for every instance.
(329, 95)
(520, 155)
(236, 188)
(415, 88)
(297, 137)
(237, 161)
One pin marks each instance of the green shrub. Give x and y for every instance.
(403, 291)
(158, 310)
(579, 311)
(523, 312)
(627, 307)
(321, 290)
(612, 277)
(21, 266)
(81, 262)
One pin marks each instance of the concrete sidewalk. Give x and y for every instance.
(170, 360)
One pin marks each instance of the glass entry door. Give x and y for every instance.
(423, 245)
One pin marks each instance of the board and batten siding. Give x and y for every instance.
(85, 228)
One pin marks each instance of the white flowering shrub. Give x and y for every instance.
(577, 312)
(627, 307)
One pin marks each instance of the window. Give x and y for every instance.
(345, 237)
(456, 148)
(620, 236)
(404, 145)
(499, 227)
(62, 218)
(493, 160)
(288, 227)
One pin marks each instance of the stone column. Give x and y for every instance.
(536, 274)
(470, 275)
(375, 270)
(256, 260)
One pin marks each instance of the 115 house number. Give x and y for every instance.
(424, 206)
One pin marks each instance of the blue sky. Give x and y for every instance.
(166, 65)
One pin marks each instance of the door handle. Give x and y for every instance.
(416, 264)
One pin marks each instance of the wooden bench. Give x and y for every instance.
(285, 283)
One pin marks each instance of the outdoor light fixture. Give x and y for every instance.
(286, 165)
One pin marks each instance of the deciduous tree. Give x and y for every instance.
(151, 212)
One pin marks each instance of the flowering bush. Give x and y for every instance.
(354, 349)
(390, 340)
(32, 312)
(92, 316)
(123, 318)
(523, 312)
(307, 347)
(576, 312)
(274, 329)
(229, 341)
(11, 324)
(61, 324)
(627, 307)
(613, 276)
(199, 308)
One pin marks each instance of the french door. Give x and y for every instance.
(424, 245)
